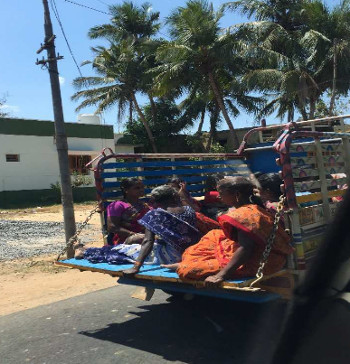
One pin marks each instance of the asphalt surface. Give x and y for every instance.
(109, 326)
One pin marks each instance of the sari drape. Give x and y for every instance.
(216, 249)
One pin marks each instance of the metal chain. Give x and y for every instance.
(270, 241)
(75, 237)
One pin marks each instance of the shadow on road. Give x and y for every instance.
(200, 331)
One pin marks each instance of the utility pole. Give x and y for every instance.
(60, 134)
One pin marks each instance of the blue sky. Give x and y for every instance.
(26, 86)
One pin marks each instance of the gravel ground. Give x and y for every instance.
(25, 239)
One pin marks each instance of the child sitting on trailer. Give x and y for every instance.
(269, 189)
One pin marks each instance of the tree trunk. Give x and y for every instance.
(312, 108)
(145, 123)
(303, 113)
(153, 108)
(200, 127)
(334, 87)
(213, 123)
(130, 111)
(210, 141)
(220, 102)
(290, 115)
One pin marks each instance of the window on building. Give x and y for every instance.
(12, 157)
(77, 163)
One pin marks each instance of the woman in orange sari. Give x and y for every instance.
(236, 249)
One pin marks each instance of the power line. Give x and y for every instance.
(103, 12)
(55, 11)
(87, 7)
(102, 2)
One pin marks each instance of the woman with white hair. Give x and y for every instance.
(169, 230)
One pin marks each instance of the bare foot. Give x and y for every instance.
(170, 266)
(79, 253)
(79, 250)
(131, 271)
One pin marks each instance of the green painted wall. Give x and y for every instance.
(11, 126)
(33, 198)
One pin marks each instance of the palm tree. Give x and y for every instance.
(270, 44)
(119, 70)
(201, 101)
(128, 22)
(286, 13)
(123, 66)
(297, 45)
(329, 41)
(198, 51)
(136, 24)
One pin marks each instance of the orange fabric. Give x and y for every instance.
(217, 248)
(205, 224)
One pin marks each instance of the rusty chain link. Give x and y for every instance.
(75, 237)
(270, 241)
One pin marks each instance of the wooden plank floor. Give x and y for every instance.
(153, 276)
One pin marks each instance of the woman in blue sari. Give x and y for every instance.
(169, 230)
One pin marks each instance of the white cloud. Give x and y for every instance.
(62, 80)
(9, 108)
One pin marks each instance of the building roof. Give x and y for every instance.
(14, 126)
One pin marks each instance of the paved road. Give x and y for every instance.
(109, 326)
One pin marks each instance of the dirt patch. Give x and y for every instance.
(25, 289)
(50, 213)
(36, 281)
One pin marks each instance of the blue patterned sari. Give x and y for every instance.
(173, 234)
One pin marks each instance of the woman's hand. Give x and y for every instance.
(131, 271)
(183, 189)
(213, 281)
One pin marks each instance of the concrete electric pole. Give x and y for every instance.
(60, 134)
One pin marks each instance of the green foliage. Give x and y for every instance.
(56, 188)
(281, 62)
(128, 22)
(196, 143)
(165, 121)
(122, 67)
(78, 179)
(322, 110)
(290, 49)
(202, 62)
(217, 148)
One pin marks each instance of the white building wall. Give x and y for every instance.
(38, 165)
(124, 148)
